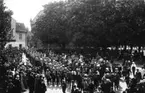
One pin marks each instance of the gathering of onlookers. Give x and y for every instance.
(37, 71)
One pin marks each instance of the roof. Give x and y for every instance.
(20, 27)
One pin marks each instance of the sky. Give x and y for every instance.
(24, 10)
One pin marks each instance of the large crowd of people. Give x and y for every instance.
(36, 71)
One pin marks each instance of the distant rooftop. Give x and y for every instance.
(20, 27)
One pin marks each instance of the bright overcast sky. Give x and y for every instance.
(24, 10)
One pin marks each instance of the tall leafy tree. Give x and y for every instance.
(92, 23)
(5, 25)
(51, 28)
(5, 28)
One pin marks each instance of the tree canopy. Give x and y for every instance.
(5, 25)
(92, 23)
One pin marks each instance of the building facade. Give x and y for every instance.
(18, 35)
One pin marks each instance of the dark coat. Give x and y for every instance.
(41, 88)
(17, 87)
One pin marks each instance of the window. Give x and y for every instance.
(20, 36)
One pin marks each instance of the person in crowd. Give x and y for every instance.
(133, 68)
(77, 90)
(138, 75)
(53, 77)
(133, 85)
(91, 87)
(17, 84)
(96, 78)
(37, 83)
(84, 69)
(10, 87)
(122, 85)
(57, 78)
(48, 77)
(73, 86)
(22, 80)
(127, 78)
(64, 86)
(40, 86)
(116, 80)
(31, 82)
(106, 86)
(79, 80)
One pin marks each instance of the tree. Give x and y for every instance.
(51, 27)
(92, 23)
(5, 25)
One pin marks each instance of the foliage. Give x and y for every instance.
(92, 23)
(5, 25)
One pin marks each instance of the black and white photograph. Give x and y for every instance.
(72, 46)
